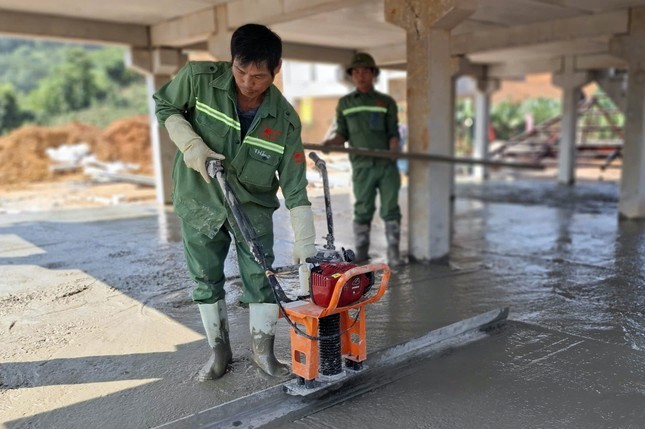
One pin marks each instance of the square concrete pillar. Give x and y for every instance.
(485, 87)
(430, 118)
(163, 149)
(632, 185)
(157, 66)
(570, 81)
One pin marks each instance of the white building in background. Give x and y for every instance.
(314, 89)
(304, 79)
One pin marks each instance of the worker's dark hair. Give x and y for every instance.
(255, 43)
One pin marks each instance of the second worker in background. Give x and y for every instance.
(368, 119)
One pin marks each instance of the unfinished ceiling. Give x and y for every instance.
(500, 33)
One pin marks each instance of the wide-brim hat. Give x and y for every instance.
(362, 59)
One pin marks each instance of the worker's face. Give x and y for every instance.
(253, 79)
(363, 78)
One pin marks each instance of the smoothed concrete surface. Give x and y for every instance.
(523, 377)
(98, 329)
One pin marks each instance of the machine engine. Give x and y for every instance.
(325, 276)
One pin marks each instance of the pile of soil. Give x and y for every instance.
(127, 140)
(23, 151)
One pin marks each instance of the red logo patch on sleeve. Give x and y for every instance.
(299, 157)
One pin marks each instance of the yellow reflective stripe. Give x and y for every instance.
(365, 109)
(216, 114)
(254, 141)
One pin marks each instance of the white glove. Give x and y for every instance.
(190, 144)
(302, 222)
(304, 277)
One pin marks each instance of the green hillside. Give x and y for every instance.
(49, 83)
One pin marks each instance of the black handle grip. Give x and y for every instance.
(317, 160)
(213, 166)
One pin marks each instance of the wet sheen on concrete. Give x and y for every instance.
(523, 377)
(571, 272)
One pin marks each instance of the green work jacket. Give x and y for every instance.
(270, 156)
(367, 120)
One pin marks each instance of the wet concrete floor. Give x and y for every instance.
(572, 356)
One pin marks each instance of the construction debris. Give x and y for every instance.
(600, 136)
(33, 154)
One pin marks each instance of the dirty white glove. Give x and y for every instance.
(302, 222)
(304, 278)
(190, 144)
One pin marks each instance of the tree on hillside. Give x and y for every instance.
(110, 65)
(11, 116)
(71, 87)
(24, 63)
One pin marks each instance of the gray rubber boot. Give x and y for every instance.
(361, 241)
(215, 322)
(393, 236)
(262, 321)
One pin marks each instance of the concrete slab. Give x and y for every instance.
(525, 376)
(98, 329)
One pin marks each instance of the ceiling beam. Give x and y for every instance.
(185, 30)
(543, 32)
(320, 54)
(21, 24)
(299, 52)
(598, 45)
(599, 62)
(389, 54)
(519, 69)
(276, 11)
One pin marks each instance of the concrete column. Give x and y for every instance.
(157, 66)
(430, 121)
(632, 49)
(632, 186)
(570, 81)
(485, 87)
(163, 149)
(219, 43)
(430, 118)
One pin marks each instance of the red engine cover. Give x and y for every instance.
(325, 277)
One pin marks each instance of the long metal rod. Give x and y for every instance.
(422, 157)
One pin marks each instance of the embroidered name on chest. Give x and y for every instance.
(262, 154)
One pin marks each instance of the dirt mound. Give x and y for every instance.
(127, 140)
(23, 151)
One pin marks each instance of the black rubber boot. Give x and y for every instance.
(393, 236)
(361, 241)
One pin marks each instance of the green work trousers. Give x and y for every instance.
(366, 181)
(205, 258)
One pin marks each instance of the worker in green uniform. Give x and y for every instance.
(367, 119)
(232, 111)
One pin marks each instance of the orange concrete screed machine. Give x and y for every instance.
(328, 326)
